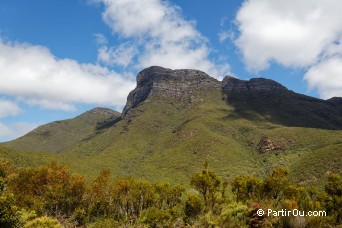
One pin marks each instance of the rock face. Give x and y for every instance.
(231, 84)
(266, 99)
(256, 98)
(167, 83)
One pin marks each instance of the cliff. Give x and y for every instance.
(180, 85)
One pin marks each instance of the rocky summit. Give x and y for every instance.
(166, 83)
(263, 97)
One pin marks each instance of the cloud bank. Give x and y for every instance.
(15, 130)
(326, 77)
(156, 34)
(33, 75)
(296, 34)
(8, 108)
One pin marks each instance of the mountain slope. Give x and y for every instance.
(176, 119)
(59, 136)
(277, 104)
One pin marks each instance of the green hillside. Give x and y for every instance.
(172, 124)
(62, 135)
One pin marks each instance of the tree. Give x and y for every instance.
(48, 189)
(207, 183)
(276, 183)
(193, 206)
(99, 198)
(43, 222)
(334, 200)
(155, 217)
(168, 196)
(246, 187)
(9, 216)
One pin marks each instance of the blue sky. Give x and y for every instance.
(61, 58)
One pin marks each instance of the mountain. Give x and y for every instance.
(59, 136)
(277, 104)
(174, 120)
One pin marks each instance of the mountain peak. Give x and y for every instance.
(101, 111)
(168, 83)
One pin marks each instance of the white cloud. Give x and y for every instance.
(51, 105)
(333, 49)
(33, 75)
(8, 108)
(15, 130)
(225, 30)
(294, 33)
(223, 36)
(326, 77)
(100, 39)
(160, 33)
(121, 55)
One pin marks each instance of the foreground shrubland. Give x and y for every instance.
(50, 196)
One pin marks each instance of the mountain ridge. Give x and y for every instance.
(249, 98)
(171, 126)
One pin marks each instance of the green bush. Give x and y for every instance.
(193, 206)
(154, 216)
(43, 222)
(9, 217)
(104, 223)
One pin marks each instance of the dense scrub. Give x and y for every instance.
(50, 196)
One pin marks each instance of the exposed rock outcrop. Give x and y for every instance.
(267, 145)
(264, 97)
(179, 84)
(231, 84)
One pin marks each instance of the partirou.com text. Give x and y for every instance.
(293, 212)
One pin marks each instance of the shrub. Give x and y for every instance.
(154, 216)
(193, 206)
(43, 222)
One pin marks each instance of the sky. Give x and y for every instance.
(61, 58)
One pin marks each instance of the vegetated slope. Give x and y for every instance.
(25, 159)
(59, 136)
(277, 104)
(175, 120)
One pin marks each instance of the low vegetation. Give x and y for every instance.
(51, 196)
